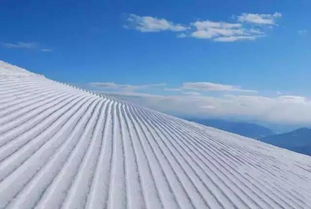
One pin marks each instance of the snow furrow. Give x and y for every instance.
(199, 180)
(54, 154)
(33, 145)
(65, 147)
(164, 169)
(82, 179)
(186, 156)
(24, 138)
(99, 189)
(148, 179)
(57, 191)
(211, 152)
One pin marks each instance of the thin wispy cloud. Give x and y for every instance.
(123, 87)
(208, 86)
(46, 50)
(248, 37)
(246, 27)
(264, 19)
(25, 45)
(21, 45)
(193, 88)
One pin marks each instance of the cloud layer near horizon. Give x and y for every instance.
(207, 99)
(247, 26)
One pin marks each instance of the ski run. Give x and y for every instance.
(63, 147)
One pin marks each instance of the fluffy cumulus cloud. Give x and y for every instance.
(152, 24)
(264, 19)
(209, 29)
(245, 27)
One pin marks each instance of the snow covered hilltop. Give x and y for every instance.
(62, 147)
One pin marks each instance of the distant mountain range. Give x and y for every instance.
(298, 140)
(242, 128)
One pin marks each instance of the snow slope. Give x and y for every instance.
(62, 147)
(12, 70)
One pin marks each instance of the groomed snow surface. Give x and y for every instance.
(62, 147)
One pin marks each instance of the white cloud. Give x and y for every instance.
(264, 19)
(218, 31)
(198, 99)
(208, 29)
(208, 86)
(152, 24)
(224, 31)
(259, 108)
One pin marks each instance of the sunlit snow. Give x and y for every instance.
(62, 147)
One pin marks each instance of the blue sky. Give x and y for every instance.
(189, 49)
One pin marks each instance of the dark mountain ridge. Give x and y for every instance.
(298, 140)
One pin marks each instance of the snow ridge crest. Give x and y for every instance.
(9, 70)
